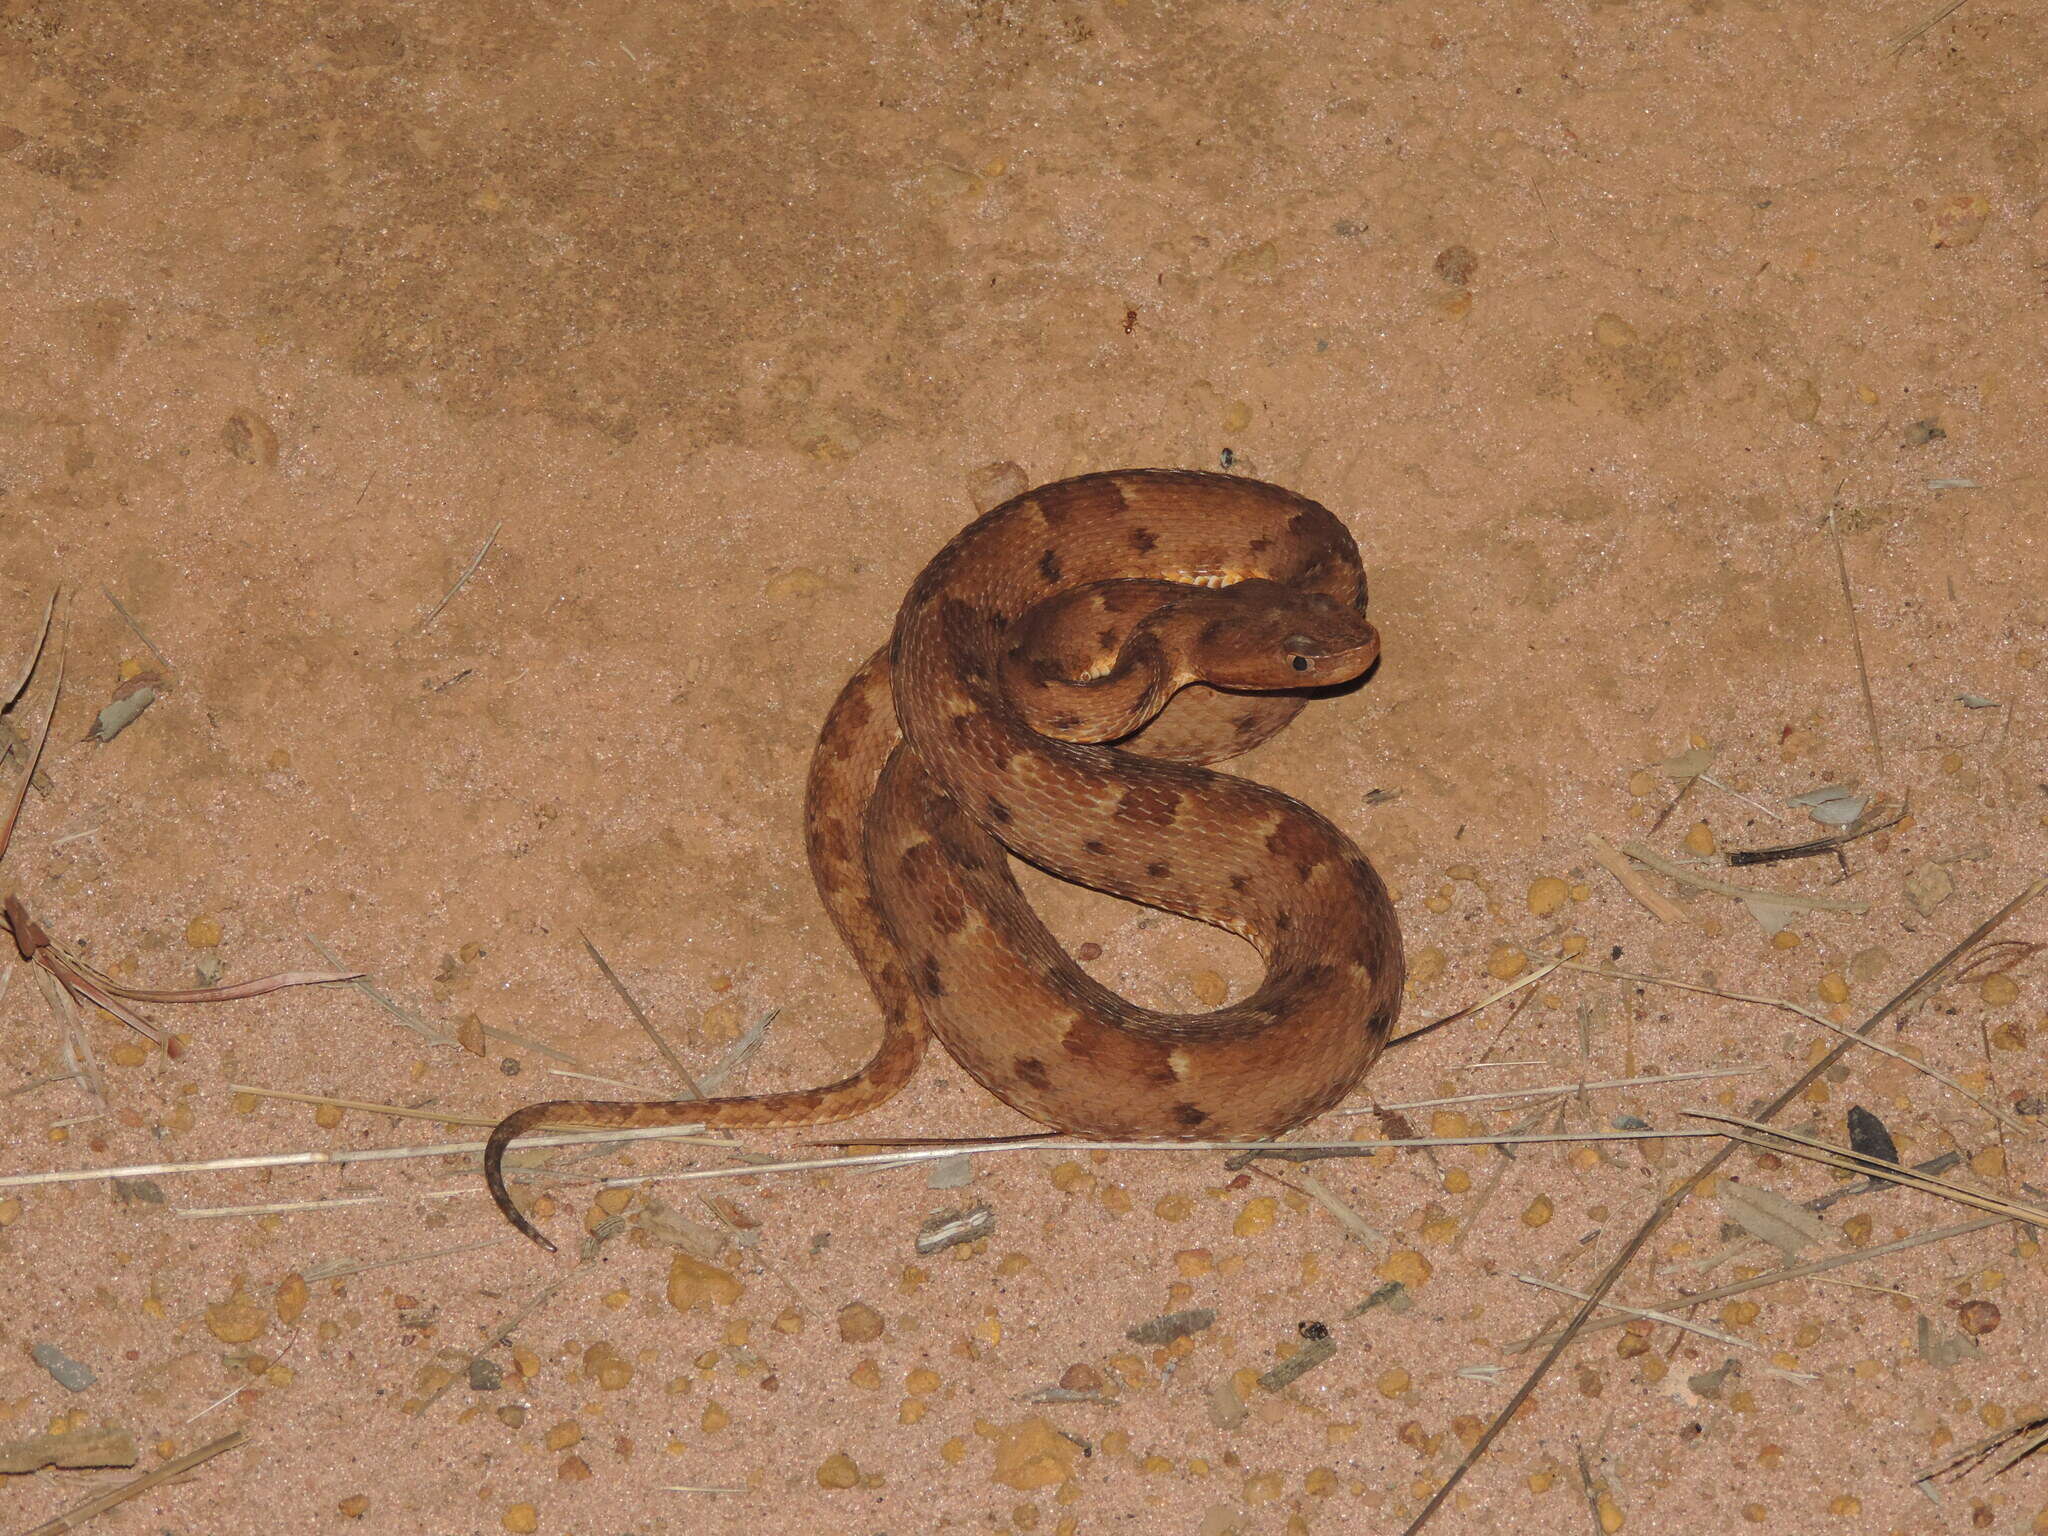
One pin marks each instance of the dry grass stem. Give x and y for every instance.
(1813, 1016)
(1609, 858)
(341, 1268)
(1792, 1144)
(1899, 45)
(461, 581)
(1628, 1312)
(1791, 1272)
(1671, 869)
(366, 1155)
(35, 655)
(100, 1503)
(1842, 560)
(1550, 1088)
(1677, 1196)
(632, 1003)
(418, 1024)
(911, 1155)
(1517, 985)
(129, 619)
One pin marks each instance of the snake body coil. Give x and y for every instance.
(1059, 675)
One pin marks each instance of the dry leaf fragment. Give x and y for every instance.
(1942, 1352)
(949, 1229)
(1928, 887)
(1688, 765)
(1958, 220)
(1835, 805)
(1868, 1135)
(78, 1448)
(1159, 1331)
(1785, 1224)
(121, 714)
(663, 1224)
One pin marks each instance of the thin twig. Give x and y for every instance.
(1609, 858)
(1530, 1093)
(1469, 1009)
(1848, 593)
(1814, 1150)
(1628, 1312)
(366, 1155)
(1912, 34)
(1678, 1196)
(100, 1503)
(415, 1022)
(461, 581)
(35, 654)
(1673, 870)
(129, 619)
(1811, 1016)
(1774, 1277)
(343, 1267)
(675, 1062)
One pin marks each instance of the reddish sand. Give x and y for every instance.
(716, 314)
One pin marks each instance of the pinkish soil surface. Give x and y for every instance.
(1579, 316)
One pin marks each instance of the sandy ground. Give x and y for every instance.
(1581, 316)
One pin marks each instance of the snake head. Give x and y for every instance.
(1263, 635)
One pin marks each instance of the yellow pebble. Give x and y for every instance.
(1537, 1212)
(1210, 989)
(1506, 962)
(1456, 1181)
(1070, 1177)
(1611, 1519)
(1407, 1266)
(838, 1471)
(1999, 990)
(204, 933)
(1394, 1382)
(1173, 1207)
(1700, 839)
(1548, 895)
(521, 1518)
(1834, 988)
(1257, 1216)
(715, 1418)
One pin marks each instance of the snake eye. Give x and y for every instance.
(1300, 663)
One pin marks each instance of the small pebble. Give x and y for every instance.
(72, 1375)
(1457, 265)
(1548, 895)
(693, 1283)
(1978, 1318)
(1160, 1331)
(859, 1323)
(838, 1471)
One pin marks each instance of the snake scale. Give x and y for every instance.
(1058, 678)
